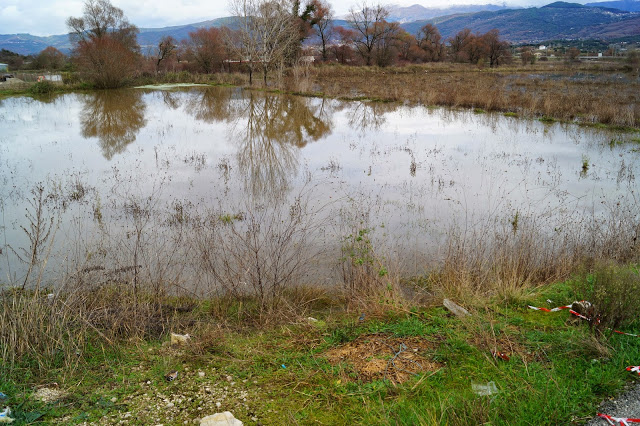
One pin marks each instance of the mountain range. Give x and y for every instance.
(559, 20)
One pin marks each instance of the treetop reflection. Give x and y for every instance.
(114, 117)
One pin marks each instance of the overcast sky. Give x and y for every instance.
(47, 17)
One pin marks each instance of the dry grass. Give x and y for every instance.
(586, 93)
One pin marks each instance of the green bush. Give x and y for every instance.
(42, 87)
(614, 292)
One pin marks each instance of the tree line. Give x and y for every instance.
(266, 35)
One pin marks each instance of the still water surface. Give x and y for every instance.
(410, 173)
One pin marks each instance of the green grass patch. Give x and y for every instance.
(556, 371)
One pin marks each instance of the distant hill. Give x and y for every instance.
(555, 21)
(419, 13)
(559, 20)
(626, 5)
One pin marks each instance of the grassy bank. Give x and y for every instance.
(396, 364)
(587, 93)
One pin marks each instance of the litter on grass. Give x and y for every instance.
(4, 416)
(484, 390)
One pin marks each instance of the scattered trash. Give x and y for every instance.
(456, 309)
(484, 390)
(220, 419)
(634, 369)
(283, 366)
(311, 319)
(179, 339)
(618, 420)
(549, 301)
(582, 309)
(501, 355)
(50, 296)
(171, 376)
(362, 316)
(4, 416)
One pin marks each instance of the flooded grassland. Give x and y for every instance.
(219, 189)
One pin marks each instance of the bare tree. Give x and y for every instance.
(206, 48)
(101, 19)
(323, 18)
(369, 24)
(268, 32)
(105, 43)
(166, 48)
(498, 50)
(430, 41)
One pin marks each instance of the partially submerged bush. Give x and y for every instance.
(614, 292)
(42, 87)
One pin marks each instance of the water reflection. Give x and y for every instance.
(114, 117)
(171, 99)
(365, 116)
(270, 138)
(212, 105)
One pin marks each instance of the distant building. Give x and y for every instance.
(4, 68)
(542, 47)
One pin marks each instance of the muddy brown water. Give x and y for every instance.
(137, 164)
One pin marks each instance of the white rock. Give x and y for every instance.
(201, 373)
(456, 309)
(221, 419)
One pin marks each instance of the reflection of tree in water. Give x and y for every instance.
(170, 99)
(365, 116)
(276, 127)
(213, 105)
(115, 117)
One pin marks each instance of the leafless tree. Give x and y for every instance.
(370, 26)
(105, 43)
(166, 48)
(430, 42)
(268, 32)
(323, 18)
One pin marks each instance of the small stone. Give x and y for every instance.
(229, 378)
(221, 419)
(114, 399)
(456, 309)
(255, 419)
(170, 405)
(201, 373)
(218, 404)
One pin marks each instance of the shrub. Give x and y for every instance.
(614, 292)
(42, 87)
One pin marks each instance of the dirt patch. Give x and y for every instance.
(380, 356)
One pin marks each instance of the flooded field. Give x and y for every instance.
(207, 187)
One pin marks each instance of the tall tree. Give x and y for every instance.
(368, 25)
(323, 17)
(498, 51)
(430, 42)
(166, 49)
(268, 32)
(105, 43)
(206, 48)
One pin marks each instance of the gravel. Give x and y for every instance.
(626, 405)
